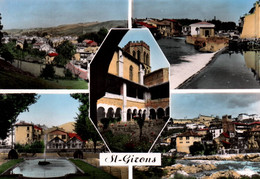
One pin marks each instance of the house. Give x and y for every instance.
(56, 143)
(202, 29)
(75, 141)
(187, 139)
(89, 43)
(27, 133)
(58, 138)
(251, 23)
(50, 56)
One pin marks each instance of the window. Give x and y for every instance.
(187, 138)
(28, 128)
(134, 54)
(187, 142)
(28, 135)
(180, 138)
(63, 136)
(138, 55)
(131, 73)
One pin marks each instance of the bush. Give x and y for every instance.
(78, 154)
(48, 72)
(168, 161)
(35, 147)
(12, 154)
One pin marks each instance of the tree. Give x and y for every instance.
(197, 148)
(96, 36)
(140, 121)
(48, 72)
(11, 106)
(6, 54)
(66, 49)
(1, 33)
(83, 126)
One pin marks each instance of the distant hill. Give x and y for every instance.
(68, 127)
(70, 29)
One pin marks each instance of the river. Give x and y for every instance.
(228, 70)
(242, 167)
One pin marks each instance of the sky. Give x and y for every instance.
(191, 105)
(157, 58)
(46, 13)
(51, 110)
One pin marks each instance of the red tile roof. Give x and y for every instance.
(225, 135)
(146, 25)
(58, 132)
(36, 127)
(71, 135)
(53, 54)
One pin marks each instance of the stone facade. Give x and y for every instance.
(251, 27)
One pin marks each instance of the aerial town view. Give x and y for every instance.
(212, 135)
(83, 78)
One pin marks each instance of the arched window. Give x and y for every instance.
(144, 58)
(129, 114)
(131, 73)
(134, 54)
(138, 55)
(110, 113)
(100, 113)
(160, 113)
(118, 113)
(147, 59)
(152, 114)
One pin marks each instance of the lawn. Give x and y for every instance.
(9, 164)
(91, 171)
(70, 84)
(14, 80)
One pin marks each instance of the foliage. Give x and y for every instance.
(60, 60)
(140, 121)
(152, 172)
(6, 54)
(83, 126)
(197, 148)
(68, 74)
(48, 72)
(91, 171)
(9, 164)
(118, 143)
(97, 37)
(219, 25)
(66, 50)
(35, 147)
(107, 121)
(11, 106)
(168, 161)
(12, 154)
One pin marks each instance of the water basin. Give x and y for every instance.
(56, 168)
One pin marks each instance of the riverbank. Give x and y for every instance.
(183, 72)
(253, 157)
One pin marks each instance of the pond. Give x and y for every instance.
(56, 168)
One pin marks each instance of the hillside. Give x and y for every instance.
(70, 29)
(68, 127)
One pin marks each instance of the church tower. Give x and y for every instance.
(140, 51)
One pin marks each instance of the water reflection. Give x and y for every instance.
(252, 62)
